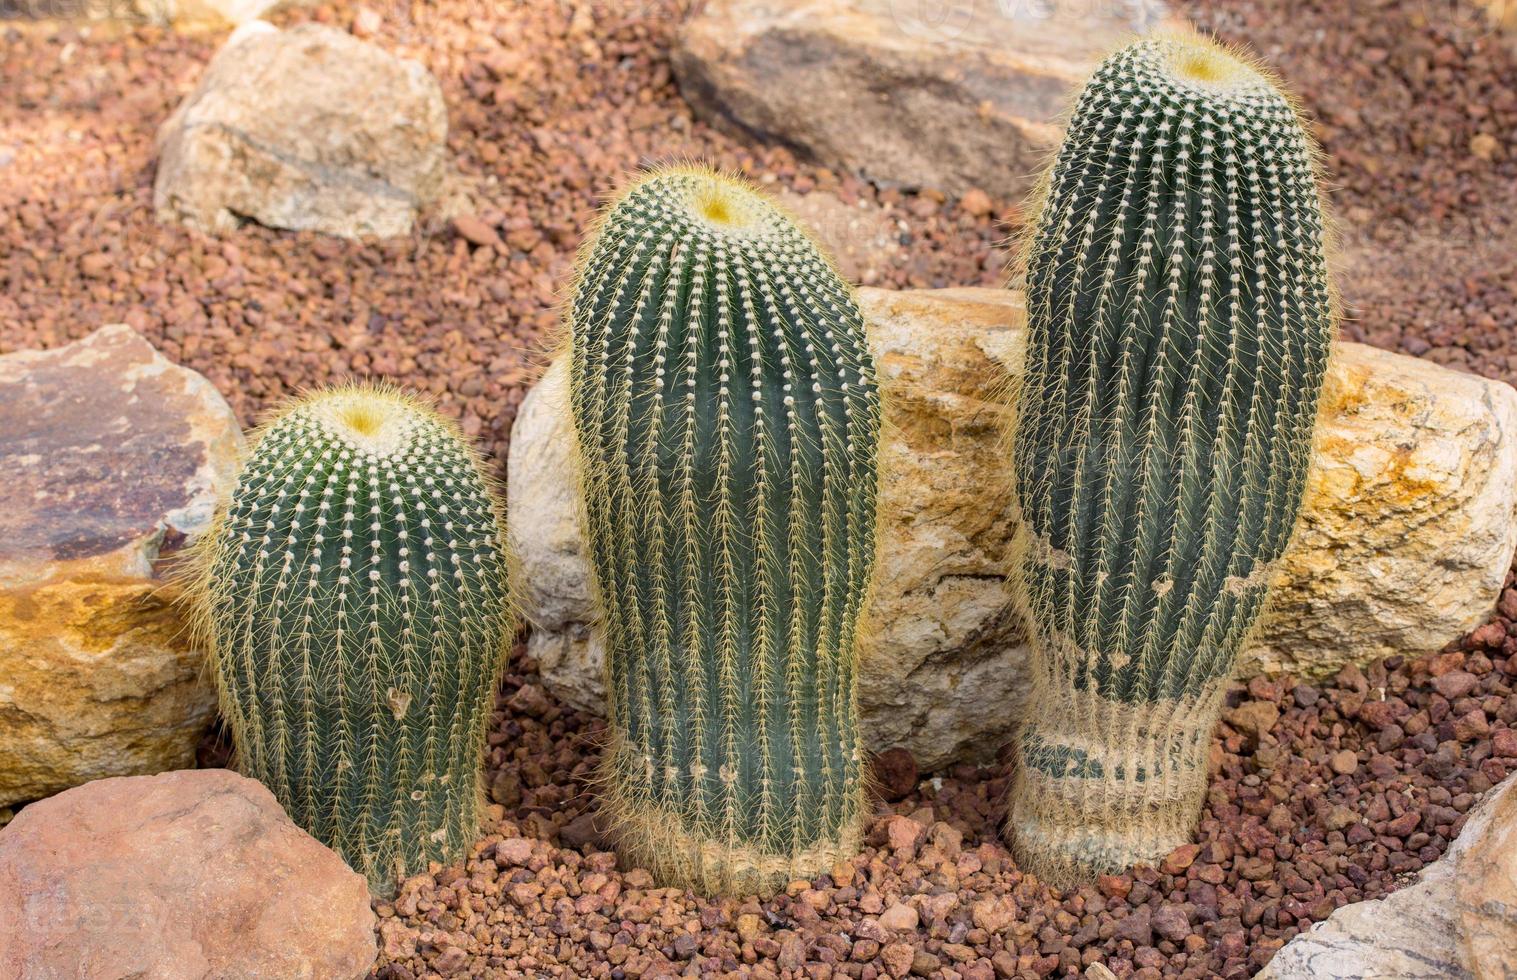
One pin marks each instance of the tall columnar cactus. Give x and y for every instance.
(728, 422)
(354, 600)
(1180, 318)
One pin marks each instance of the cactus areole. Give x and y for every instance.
(353, 597)
(1180, 321)
(727, 418)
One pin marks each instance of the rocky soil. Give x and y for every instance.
(1324, 794)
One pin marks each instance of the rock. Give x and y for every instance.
(950, 96)
(194, 15)
(191, 874)
(308, 128)
(945, 668)
(1408, 529)
(1485, 889)
(863, 241)
(1455, 920)
(1253, 719)
(114, 460)
(899, 918)
(895, 773)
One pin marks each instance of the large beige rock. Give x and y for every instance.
(193, 875)
(308, 128)
(1456, 921)
(948, 95)
(1407, 533)
(113, 460)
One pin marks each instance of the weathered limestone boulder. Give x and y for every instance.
(1457, 921)
(1408, 528)
(308, 128)
(113, 460)
(948, 95)
(188, 875)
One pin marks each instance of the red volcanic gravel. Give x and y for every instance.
(1359, 781)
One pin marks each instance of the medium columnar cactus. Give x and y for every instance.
(354, 600)
(728, 420)
(1180, 319)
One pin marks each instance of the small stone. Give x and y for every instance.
(903, 833)
(473, 230)
(976, 203)
(1484, 146)
(1338, 817)
(897, 959)
(1171, 922)
(895, 773)
(450, 960)
(1344, 763)
(514, 851)
(1456, 684)
(1182, 857)
(1504, 743)
(1114, 886)
(1137, 927)
(899, 918)
(685, 946)
(750, 927)
(1254, 719)
(585, 830)
(366, 22)
(792, 953)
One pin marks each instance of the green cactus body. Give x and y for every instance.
(1180, 321)
(727, 417)
(354, 600)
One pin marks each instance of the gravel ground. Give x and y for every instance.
(1322, 795)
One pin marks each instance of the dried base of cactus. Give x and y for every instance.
(659, 841)
(1102, 785)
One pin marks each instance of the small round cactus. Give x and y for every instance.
(353, 597)
(727, 418)
(1180, 319)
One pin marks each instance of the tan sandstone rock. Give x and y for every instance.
(114, 459)
(1407, 533)
(308, 128)
(951, 95)
(192, 875)
(1456, 921)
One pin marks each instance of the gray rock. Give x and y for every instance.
(951, 95)
(1457, 920)
(308, 128)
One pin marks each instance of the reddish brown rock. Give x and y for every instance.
(187, 875)
(114, 459)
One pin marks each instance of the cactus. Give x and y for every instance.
(1180, 320)
(727, 419)
(353, 597)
